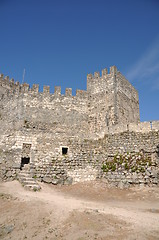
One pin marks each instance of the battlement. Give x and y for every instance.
(16, 87)
(109, 98)
(104, 73)
(12, 86)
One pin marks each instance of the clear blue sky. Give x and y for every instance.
(59, 41)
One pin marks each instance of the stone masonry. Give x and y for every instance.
(63, 139)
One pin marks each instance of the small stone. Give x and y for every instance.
(9, 174)
(47, 179)
(69, 181)
(9, 229)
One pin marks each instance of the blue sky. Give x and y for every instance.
(59, 41)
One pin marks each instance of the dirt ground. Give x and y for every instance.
(78, 212)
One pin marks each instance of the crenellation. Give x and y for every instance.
(68, 92)
(113, 70)
(46, 90)
(35, 88)
(1, 75)
(104, 72)
(12, 81)
(17, 83)
(89, 76)
(69, 138)
(25, 87)
(96, 74)
(81, 93)
(6, 79)
(57, 90)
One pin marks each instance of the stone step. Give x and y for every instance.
(22, 171)
(27, 181)
(27, 178)
(24, 175)
(30, 183)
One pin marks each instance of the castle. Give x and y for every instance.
(96, 134)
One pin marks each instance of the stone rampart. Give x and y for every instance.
(141, 127)
(69, 139)
(122, 159)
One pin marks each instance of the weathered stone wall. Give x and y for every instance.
(47, 123)
(101, 101)
(141, 127)
(64, 116)
(127, 101)
(111, 100)
(85, 159)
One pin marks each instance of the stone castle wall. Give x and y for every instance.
(88, 126)
(112, 100)
(109, 100)
(85, 159)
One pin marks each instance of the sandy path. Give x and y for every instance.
(60, 213)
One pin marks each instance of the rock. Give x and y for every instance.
(69, 181)
(155, 173)
(9, 174)
(16, 166)
(121, 185)
(55, 181)
(9, 229)
(155, 181)
(47, 179)
(149, 169)
(148, 173)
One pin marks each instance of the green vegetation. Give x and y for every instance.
(133, 162)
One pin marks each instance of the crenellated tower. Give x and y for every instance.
(112, 100)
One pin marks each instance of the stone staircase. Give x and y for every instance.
(26, 179)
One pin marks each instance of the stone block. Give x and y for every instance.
(47, 179)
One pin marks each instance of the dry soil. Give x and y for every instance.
(78, 212)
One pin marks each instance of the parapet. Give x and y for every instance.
(25, 87)
(57, 90)
(89, 76)
(35, 88)
(8, 84)
(96, 74)
(12, 81)
(68, 92)
(113, 71)
(16, 87)
(81, 93)
(46, 90)
(104, 72)
(6, 79)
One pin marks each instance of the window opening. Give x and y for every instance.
(64, 150)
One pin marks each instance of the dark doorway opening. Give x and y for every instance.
(64, 150)
(24, 160)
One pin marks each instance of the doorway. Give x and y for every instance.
(24, 160)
